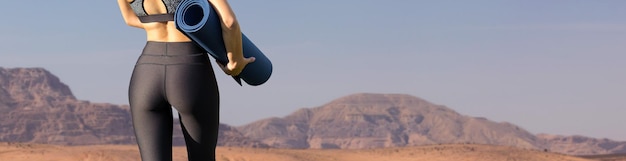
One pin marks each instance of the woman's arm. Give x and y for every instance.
(129, 16)
(232, 38)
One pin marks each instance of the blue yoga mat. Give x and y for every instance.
(198, 20)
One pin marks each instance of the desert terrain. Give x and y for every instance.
(44, 121)
(451, 152)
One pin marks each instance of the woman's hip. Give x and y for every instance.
(173, 53)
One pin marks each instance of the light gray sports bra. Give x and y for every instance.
(170, 5)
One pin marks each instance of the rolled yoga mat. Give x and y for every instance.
(198, 20)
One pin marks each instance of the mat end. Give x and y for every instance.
(238, 80)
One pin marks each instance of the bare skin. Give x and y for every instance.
(167, 32)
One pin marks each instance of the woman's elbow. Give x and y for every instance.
(230, 24)
(131, 24)
(134, 24)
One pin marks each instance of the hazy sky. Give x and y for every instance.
(549, 66)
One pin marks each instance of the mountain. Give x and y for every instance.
(397, 120)
(382, 120)
(581, 145)
(39, 108)
(36, 107)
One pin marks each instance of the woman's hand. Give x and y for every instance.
(231, 33)
(234, 67)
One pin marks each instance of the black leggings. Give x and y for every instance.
(175, 74)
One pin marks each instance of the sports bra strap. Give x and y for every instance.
(156, 18)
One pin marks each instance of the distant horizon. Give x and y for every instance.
(329, 101)
(432, 152)
(553, 67)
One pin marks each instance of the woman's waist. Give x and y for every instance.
(167, 37)
(181, 59)
(172, 53)
(163, 48)
(164, 32)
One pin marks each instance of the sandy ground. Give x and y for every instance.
(610, 157)
(460, 152)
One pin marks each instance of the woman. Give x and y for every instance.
(173, 71)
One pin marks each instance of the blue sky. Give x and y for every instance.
(555, 66)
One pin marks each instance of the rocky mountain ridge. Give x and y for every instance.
(366, 120)
(582, 145)
(382, 120)
(36, 107)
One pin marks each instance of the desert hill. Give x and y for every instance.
(36, 107)
(39, 108)
(383, 120)
(366, 120)
(453, 152)
(582, 145)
